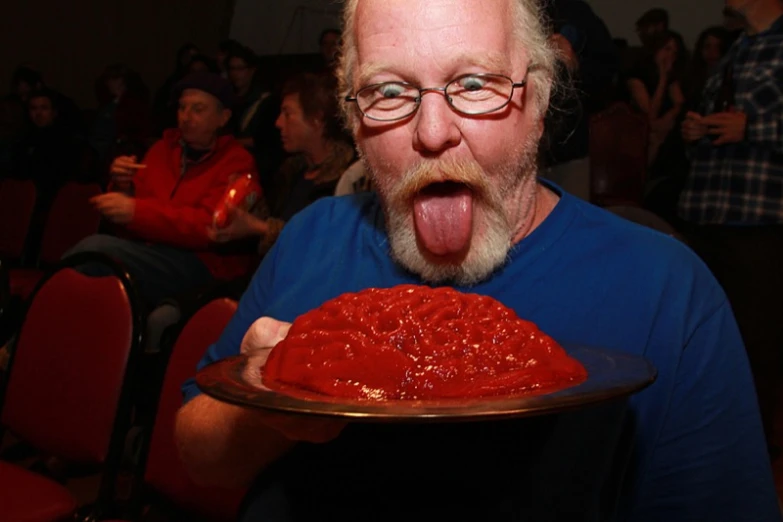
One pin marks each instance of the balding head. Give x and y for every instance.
(529, 29)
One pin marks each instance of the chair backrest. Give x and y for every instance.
(71, 218)
(165, 474)
(17, 204)
(619, 139)
(67, 391)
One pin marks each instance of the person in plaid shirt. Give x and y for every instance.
(732, 202)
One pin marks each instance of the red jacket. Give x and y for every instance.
(177, 211)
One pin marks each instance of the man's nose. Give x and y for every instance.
(436, 125)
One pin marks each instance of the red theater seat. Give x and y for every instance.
(165, 479)
(67, 392)
(71, 218)
(619, 139)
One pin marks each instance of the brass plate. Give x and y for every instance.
(611, 375)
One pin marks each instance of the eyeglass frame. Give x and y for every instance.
(442, 90)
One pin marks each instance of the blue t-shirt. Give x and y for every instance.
(689, 447)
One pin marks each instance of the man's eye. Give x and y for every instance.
(390, 90)
(472, 83)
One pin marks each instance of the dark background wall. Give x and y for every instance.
(71, 42)
(292, 26)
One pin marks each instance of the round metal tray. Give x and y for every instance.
(611, 375)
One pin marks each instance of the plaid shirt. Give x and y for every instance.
(742, 183)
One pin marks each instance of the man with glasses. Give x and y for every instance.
(446, 100)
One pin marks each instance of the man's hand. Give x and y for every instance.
(260, 338)
(565, 51)
(729, 127)
(264, 334)
(116, 207)
(693, 127)
(123, 168)
(241, 224)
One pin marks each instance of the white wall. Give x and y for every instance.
(283, 26)
(292, 26)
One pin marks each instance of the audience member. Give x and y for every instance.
(711, 46)
(253, 119)
(453, 153)
(650, 24)
(163, 110)
(655, 89)
(27, 80)
(200, 63)
(329, 47)
(733, 197)
(311, 130)
(225, 48)
(588, 61)
(166, 202)
(49, 154)
(123, 123)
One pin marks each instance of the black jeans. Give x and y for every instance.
(158, 271)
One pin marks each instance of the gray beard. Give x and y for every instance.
(494, 215)
(481, 260)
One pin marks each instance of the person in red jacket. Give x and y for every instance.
(163, 206)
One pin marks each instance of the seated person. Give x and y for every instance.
(163, 206)
(49, 153)
(26, 80)
(311, 130)
(253, 120)
(432, 93)
(123, 122)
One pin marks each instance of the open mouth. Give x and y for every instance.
(443, 189)
(443, 217)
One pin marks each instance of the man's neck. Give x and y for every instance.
(535, 203)
(762, 15)
(243, 91)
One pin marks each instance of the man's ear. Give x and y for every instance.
(225, 115)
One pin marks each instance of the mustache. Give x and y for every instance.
(427, 172)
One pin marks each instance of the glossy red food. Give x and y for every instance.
(417, 343)
(242, 192)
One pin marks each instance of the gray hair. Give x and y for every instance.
(530, 28)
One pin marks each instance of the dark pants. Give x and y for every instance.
(748, 263)
(158, 271)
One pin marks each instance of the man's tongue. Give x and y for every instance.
(443, 216)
